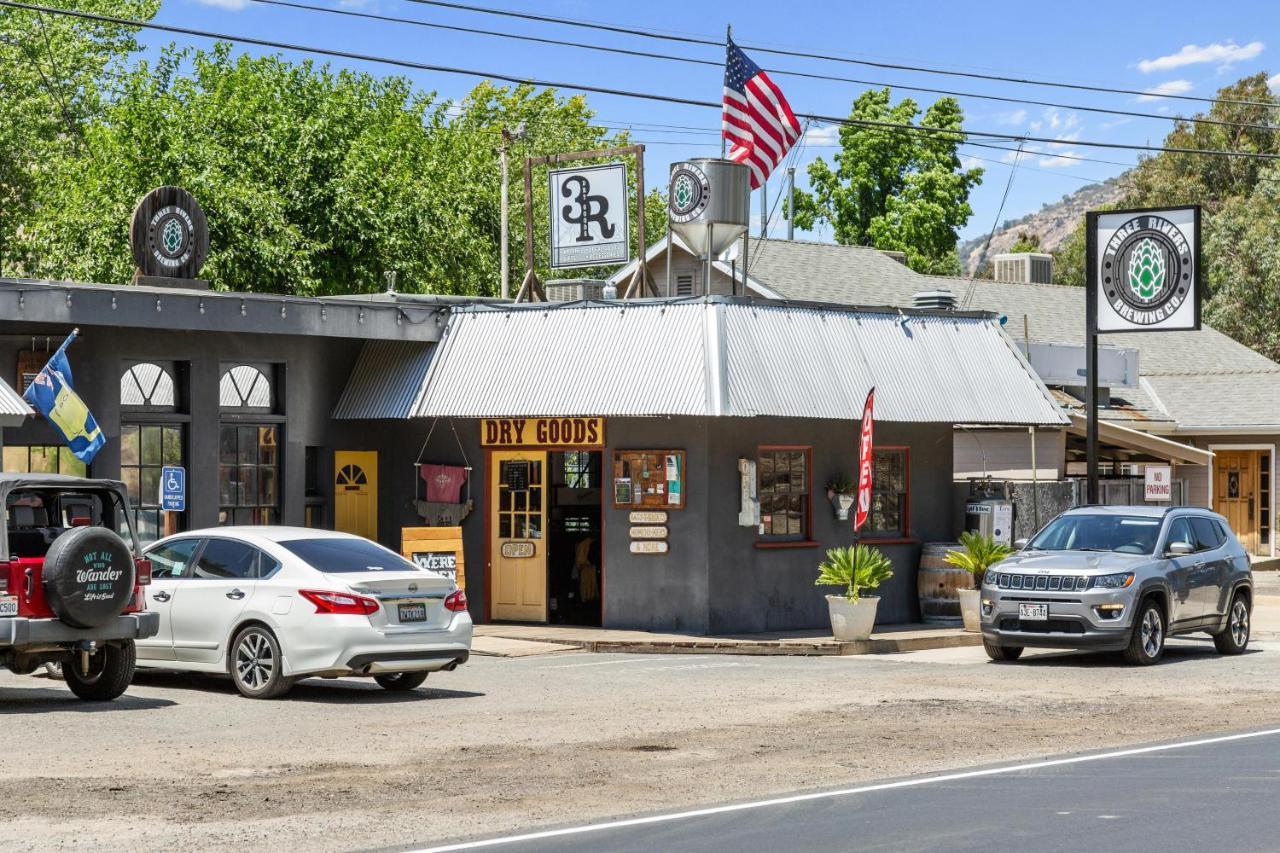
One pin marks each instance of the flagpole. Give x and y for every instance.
(728, 38)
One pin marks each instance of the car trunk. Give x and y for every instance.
(412, 599)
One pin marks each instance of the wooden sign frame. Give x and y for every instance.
(640, 284)
(656, 460)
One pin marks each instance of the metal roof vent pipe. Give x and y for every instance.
(938, 300)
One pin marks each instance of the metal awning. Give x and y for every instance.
(1142, 442)
(385, 381)
(731, 357)
(13, 409)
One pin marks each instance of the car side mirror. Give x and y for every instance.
(1180, 549)
(1020, 544)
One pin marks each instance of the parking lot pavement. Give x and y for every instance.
(512, 743)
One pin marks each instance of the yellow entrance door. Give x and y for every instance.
(1235, 486)
(355, 492)
(518, 548)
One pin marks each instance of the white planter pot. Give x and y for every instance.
(852, 620)
(842, 503)
(970, 609)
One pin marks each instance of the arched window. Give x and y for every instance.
(245, 387)
(147, 385)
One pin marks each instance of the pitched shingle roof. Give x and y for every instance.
(1198, 379)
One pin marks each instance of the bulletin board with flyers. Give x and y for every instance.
(648, 478)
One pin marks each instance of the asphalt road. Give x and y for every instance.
(1207, 794)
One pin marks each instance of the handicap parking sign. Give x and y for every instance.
(173, 488)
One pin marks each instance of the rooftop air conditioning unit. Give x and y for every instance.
(939, 300)
(1024, 268)
(574, 289)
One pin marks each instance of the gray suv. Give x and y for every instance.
(1120, 578)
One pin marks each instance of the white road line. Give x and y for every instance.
(845, 792)
(602, 663)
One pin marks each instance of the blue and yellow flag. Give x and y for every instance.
(51, 393)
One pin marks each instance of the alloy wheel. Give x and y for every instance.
(1152, 632)
(1240, 622)
(255, 661)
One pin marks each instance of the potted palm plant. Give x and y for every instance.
(855, 568)
(979, 554)
(840, 491)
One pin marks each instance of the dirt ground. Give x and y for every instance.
(183, 762)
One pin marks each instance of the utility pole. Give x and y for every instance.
(764, 210)
(791, 202)
(507, 137)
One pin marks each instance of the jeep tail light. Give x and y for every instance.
(456, 601)
(328, 601)
(81, 521)
(143, 572)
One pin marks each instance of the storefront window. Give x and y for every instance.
(248, 474)
(144, 450)
(42, 459)
(784, 493)
(890, 493)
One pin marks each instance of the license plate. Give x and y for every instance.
(1033, 612)
(8, 605)
(413, 613)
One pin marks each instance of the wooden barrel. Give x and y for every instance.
(939, 584)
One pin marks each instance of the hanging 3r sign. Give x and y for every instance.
(1145, 269)
(589, 216)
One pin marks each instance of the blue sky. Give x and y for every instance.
(1178, 47)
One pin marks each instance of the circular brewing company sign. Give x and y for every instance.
(169, 234)
(1148, 267)
(689, 193)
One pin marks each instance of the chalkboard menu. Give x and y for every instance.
(648, 478)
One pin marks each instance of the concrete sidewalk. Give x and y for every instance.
(895, 638)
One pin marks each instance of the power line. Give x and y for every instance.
(606, 90)
(621, 51)
(651, 34)
(968, 292)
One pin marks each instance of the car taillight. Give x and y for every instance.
(143, 572)
(327, 601)
(456, 601)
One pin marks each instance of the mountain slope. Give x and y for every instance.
(1052, 223)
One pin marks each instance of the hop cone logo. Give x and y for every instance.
(172, 236)
(1146, 269)
(683, 192)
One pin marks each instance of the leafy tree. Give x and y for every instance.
(55, 72)
(314, 181)
(1069, 258)
(895, 189)
(1025, 244)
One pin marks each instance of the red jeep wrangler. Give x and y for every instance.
(70, 586)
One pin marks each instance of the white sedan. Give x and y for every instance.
(271, 605)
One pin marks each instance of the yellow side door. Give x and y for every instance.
(355, 492)
(517, 546)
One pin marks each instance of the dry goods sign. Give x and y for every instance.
(542, 432)
(589, 216)
(1146, 269)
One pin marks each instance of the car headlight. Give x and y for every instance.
(1120, 581)
(991, 578)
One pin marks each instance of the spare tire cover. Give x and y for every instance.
(88, 576)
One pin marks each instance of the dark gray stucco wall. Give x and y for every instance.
(765, 589)
(311, 376)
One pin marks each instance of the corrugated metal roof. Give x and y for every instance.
(386, 380)
(11, 403)
(733, 357)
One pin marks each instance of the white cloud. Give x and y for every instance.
(968, 163)
(1274, 83)
(1061, 160)
(1219, 53)
(1016, 117)
(229, 5)
(1168, 87)
(822, 135)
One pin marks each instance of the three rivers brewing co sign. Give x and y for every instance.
(1146, 274)
(589, 216)
(586, 433)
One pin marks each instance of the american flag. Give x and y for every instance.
(757, 120)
